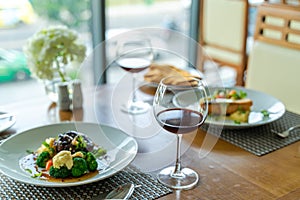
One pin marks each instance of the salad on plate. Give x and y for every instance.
(237, 105)
(71, 156)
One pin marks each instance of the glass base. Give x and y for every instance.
(187, 179)
(136, 107)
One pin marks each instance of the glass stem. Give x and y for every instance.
(133, 87)
(177, 170)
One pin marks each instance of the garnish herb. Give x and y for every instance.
(29, 151)
(36, 175)
(237, 122)
(230, 94)
(99, 152)
(242, 94)
(265, 113)
(241, 109)
(46, 144)
(81, 143)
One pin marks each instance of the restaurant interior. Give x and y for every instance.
(150, 99)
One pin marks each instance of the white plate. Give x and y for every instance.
(261, 101)
(121, 150)
(6, 122)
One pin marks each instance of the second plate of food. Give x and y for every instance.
(264, 108)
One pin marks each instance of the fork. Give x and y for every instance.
(285, 133)
(121, 192)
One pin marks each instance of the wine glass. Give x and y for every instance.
(180, 108)
(134, 56)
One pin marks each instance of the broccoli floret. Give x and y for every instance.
(61, 172)
(42, 159)
(79, 167)
(99, 152)
(81, 143)
(91, 161)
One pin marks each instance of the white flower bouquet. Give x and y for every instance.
(50, 50)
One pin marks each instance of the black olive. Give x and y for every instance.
(64, 142)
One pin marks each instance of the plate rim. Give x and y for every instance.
(44, 183)
(11, 122)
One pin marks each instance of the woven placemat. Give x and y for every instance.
(150, 188)
(260, 140)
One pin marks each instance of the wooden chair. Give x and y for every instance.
(223, 34)
(274, 61)
(284, 2)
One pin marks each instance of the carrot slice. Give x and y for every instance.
(49, 164)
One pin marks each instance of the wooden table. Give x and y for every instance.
(227, 172)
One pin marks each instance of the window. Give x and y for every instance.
(164, 15)
(20, 19)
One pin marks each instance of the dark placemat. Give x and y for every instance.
(260, 140)
(150, 189)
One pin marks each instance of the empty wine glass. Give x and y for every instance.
(134, 56)
(180, 109)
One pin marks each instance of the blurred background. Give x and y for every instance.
(20, 19)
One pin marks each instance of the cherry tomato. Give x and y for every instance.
(232, 92)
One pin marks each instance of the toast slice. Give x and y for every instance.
(159, 71)
(214, 107)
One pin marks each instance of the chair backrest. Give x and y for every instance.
(223, 33)
(274, 61)
(284, 2)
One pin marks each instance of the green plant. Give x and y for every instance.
(68, 12)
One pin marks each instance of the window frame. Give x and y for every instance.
(98, 30)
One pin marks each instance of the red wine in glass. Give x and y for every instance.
(134, 65)
(135, 55)
(180, 117)
(180, 120)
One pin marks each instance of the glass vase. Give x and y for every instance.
(51, 88)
